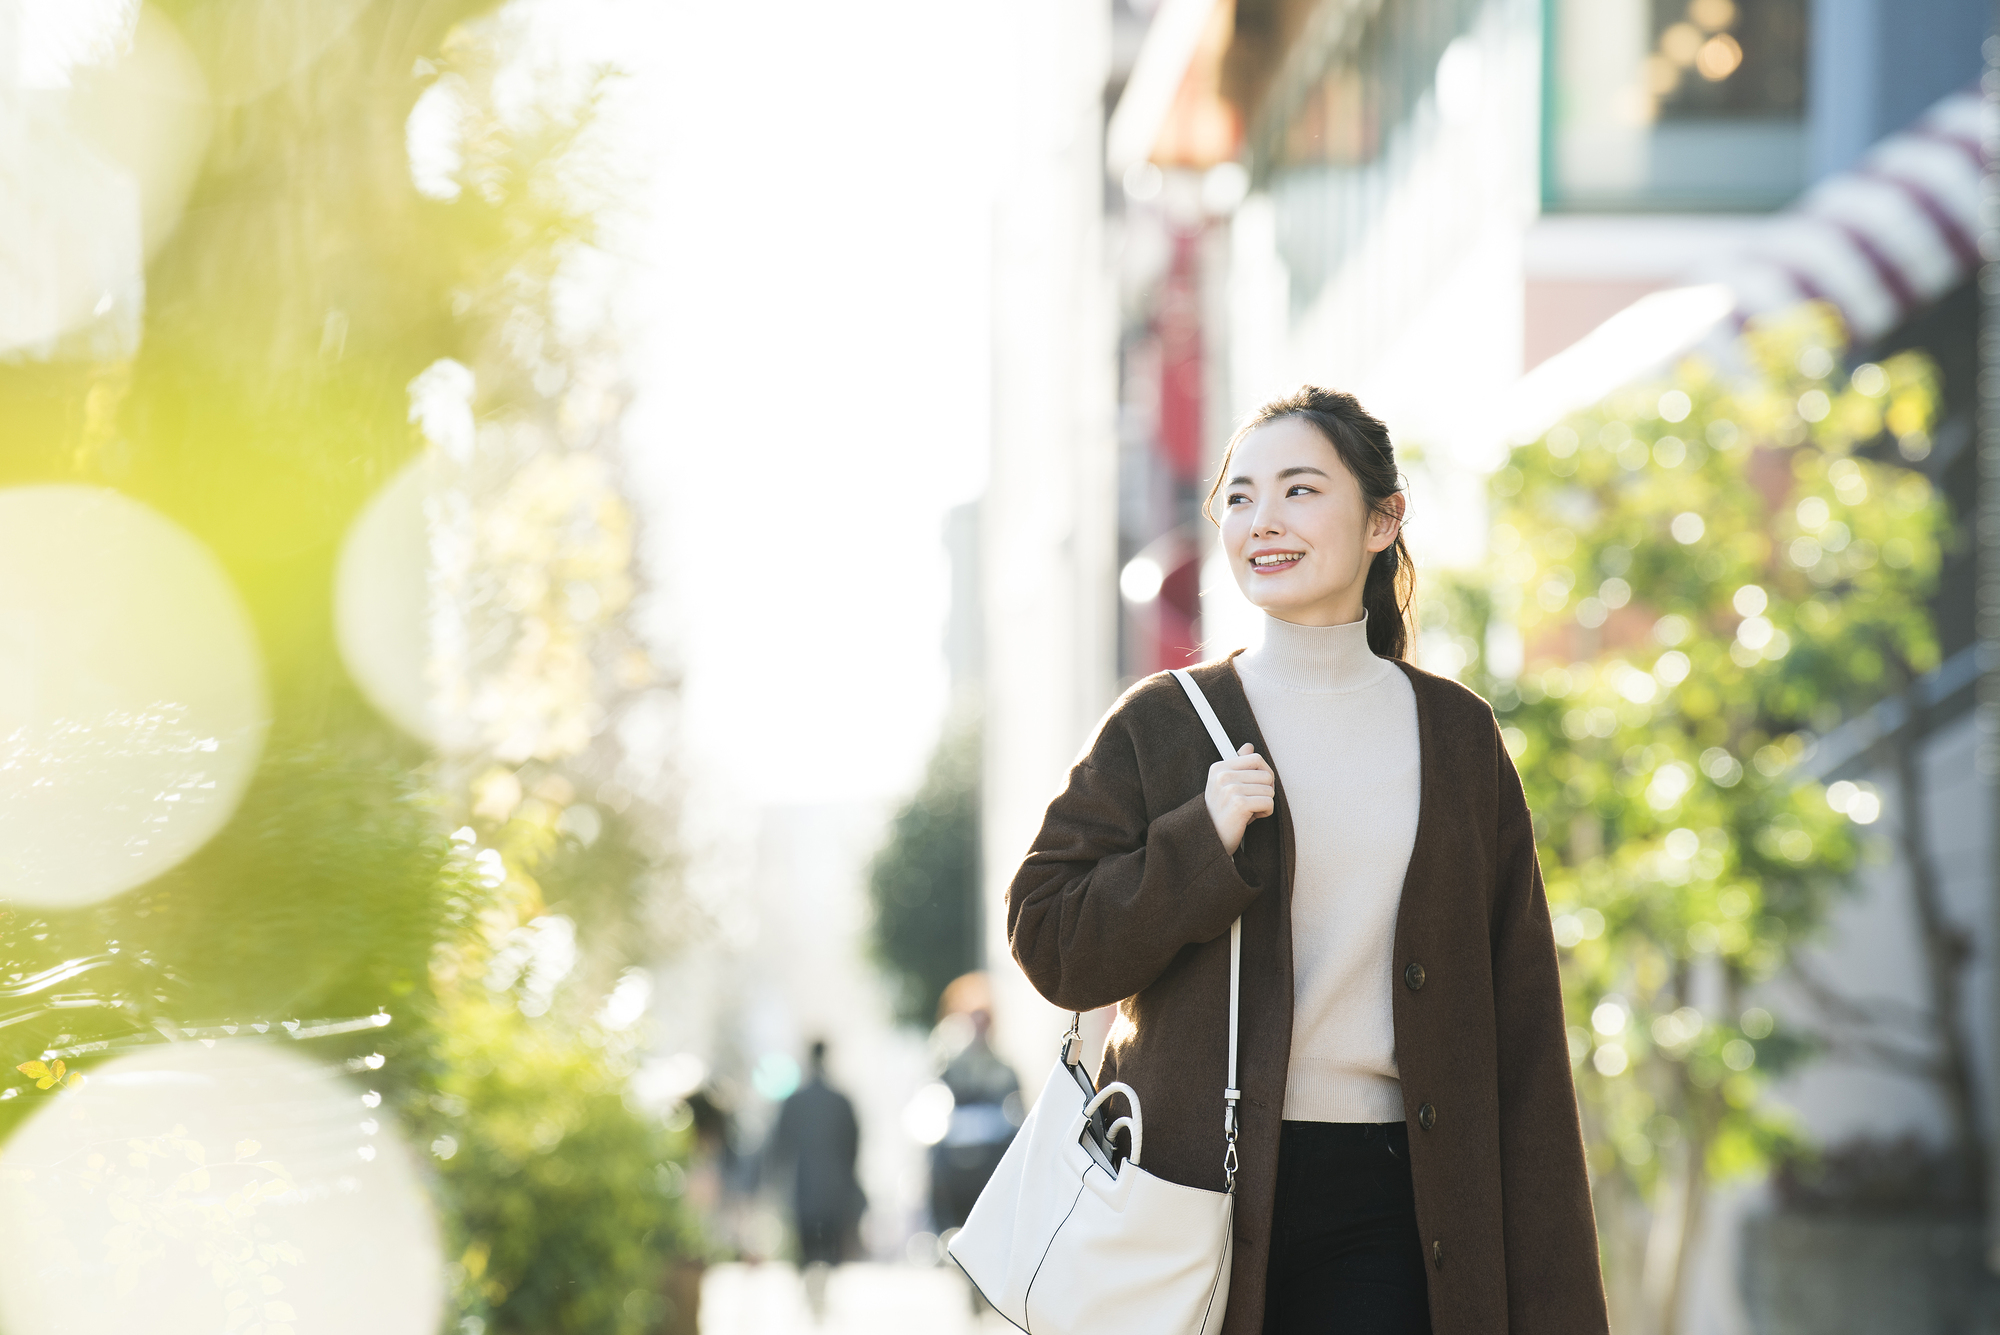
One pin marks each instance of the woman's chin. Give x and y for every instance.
(1278, 600)
(1307, 607)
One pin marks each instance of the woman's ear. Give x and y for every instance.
(1385, 523)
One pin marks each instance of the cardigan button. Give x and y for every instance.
(1437, 1255)
(1427, 1117)
(1413, 977)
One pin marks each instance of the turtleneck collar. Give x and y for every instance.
(1315, 658)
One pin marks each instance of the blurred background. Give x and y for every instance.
(554, 552)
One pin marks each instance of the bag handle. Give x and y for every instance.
(1134, 1124)
(1230, 1093)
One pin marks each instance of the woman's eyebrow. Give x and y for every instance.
(1283, 473)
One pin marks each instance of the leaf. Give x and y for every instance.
(32, 1069)
(57, 1069)
(279, 1311)
(46, 1082)
(272, 1284)
(194, 1181)
(75, 1079)
(246, 1148)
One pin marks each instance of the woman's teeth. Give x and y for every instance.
(1280, 559)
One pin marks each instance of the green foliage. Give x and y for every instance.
(1701, 574)
(565, 1204)
(923, 885)
(324, 897)
(287, 310)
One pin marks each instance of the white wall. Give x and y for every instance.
(1049, 516)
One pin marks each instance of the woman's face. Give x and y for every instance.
(1297, 530)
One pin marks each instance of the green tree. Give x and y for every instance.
(305, 284)
(309, 280)
(567, 1212)
(923, 886)
(1700, 575)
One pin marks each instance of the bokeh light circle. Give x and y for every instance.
(181, 1184)
(96, 188)
(381, 601)
(132, 704)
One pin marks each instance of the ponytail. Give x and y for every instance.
(1386, 597)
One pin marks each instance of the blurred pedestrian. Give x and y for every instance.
(986, 1101)
(817, 1140)
(986, 1105)
(1409, 1158)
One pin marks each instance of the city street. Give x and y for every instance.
(861, 1300)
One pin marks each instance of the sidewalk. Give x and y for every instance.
(861, 1300)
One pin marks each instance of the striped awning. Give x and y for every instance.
(1879, 241)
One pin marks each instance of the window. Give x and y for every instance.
(1674, 104)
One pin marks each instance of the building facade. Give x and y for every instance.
(1439, 205)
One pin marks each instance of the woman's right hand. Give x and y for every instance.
(1239, 791)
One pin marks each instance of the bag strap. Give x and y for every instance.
(1230, 1093)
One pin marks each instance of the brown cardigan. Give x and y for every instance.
(1127, 896)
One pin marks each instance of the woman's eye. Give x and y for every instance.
(1300, 489)
(1238, 499)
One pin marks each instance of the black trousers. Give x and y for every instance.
(1345, 1255)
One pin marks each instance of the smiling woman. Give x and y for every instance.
(1404, 1069)
(1312, 517)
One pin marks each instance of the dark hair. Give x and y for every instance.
(1363, 445)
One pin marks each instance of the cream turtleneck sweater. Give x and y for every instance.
(1341, 725)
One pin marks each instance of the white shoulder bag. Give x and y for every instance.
(1068, 1238)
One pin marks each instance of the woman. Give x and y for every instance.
(1410, 1153)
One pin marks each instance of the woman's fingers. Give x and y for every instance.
(1241, 789)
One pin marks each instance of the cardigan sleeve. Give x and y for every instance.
(1553, 1278)
(1106, 897)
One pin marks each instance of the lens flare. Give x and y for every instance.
(182, 1186)
(149, 112)
(131, 695)
(382, 601)
(93, 185)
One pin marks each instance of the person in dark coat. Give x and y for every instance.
(817, 1139)
(1410, 1156)
(986, 1102)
